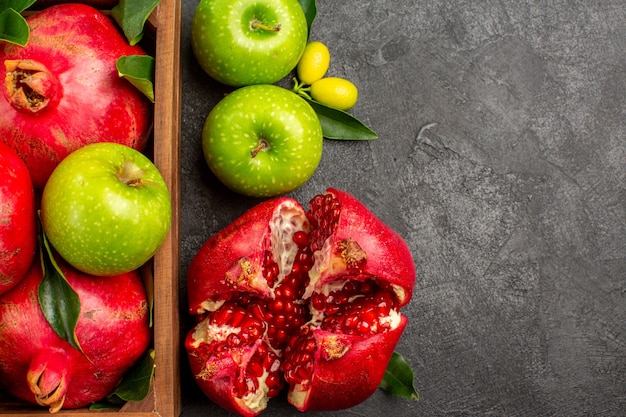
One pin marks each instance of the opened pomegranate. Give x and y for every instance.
(62, 90)
(18, 237)
(39, 367)
(304, 299)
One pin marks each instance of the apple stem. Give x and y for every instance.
(262, 145)
(257, 24)
(130, 174)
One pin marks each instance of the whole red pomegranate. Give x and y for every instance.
(305, 299)
(39, 367)
(101, 4)
(62, 90)
(18, 222)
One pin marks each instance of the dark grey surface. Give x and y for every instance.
(501, 161)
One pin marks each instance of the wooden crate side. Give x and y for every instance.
(167, 128)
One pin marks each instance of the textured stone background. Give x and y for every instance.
(501, 160)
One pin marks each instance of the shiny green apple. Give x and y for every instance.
(106, 209)
(248, 42)
(262, 140)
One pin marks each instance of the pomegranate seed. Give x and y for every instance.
(243, 299)
(266, 358)
(304, 256)
(332, 309)
(289, 375)
(304, 357)
(272, 380)
(293, 340)
(297, 269)
(351, 321)
(233, 340)
(251, 333)
(364, 327)
(366, 287)
(341, 299)
(261, 350)
(317, 301)
(301, 239)
(276, 305)
(281, 336)
(237, 317)
(255, 369)
(280, 321)
(369, 315)
(302, 374)
(251, 384)
(257, 311)
(310, 345)
(289, 306)
(287, 292)
(223, 315)
(275, 365)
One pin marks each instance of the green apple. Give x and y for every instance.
(106, 209)
(262, 140)
(248, 42)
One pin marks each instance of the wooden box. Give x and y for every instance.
(164, 398)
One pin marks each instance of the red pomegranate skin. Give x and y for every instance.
(387, 254)
(216, 374)
(39, 367)
(18, 222)
(326, 363)
(62, 90)
(343, 380)
(232, 260)
(100, 4)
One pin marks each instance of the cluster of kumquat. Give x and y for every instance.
(334, 92)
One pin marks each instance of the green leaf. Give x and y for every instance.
(134, 386)
(13, 27)
(337, 124)
(59, 302)
(17, 5)
(398, 379)
(139, 71)
(310, 12)
(131, 16)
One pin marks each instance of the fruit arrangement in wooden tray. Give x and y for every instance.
(89, 298)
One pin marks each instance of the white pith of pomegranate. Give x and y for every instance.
(305, 299)
(62, 90)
